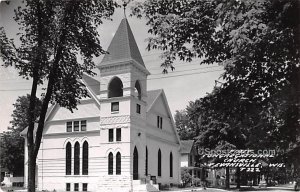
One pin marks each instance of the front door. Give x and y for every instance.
(135, 164)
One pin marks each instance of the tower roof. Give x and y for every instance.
(123, 46)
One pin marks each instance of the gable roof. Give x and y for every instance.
(152, 95)
(186, 146)
(93, 84)
(123, 46)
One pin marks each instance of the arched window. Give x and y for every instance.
(118, 164)
(146, 163)
(76, 159)
(85, 158)
(135, 164)
(137, 91)
(115, 88)
(171, 164)
(110, 163)
(159, 163)
(68, 158)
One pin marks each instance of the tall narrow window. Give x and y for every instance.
(138, 108)
(146, 163)
(171, 164)
(68, 158)
(76, 186)
(76, 158)
(135, 164)
(83, 125)
(159, 163)
(85, 158)
(69, 126)
(76, 125)
(118, 164)
(119, 134)
(159, 122)
(68, 187)
(110, 163)
(111, 135)
(84, 186)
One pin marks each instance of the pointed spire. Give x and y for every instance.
(123, 47)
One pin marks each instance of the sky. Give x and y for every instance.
(188, 82)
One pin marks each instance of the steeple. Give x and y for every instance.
(123, 47)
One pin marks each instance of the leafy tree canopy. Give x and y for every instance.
(58, 42)
(257, 42)
(12, 144)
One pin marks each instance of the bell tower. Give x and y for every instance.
(123, 93)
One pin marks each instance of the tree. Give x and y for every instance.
(258, 43)
(186, 177)
(12, 144)
(58, 43)
(181, 123)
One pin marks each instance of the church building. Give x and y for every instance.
(121, 138)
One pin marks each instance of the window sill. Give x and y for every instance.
(114, 112)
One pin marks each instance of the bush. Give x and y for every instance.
(197, 181)
(185, 177)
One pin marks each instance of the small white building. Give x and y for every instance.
(119, 138)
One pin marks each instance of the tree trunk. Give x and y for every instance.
(238, 177)
(31, 170)
(227, 184)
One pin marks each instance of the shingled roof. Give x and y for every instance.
(123, 47)
(151, 97)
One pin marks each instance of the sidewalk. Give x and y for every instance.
(196, 189)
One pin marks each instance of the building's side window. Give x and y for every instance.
(191, 160)
(68, 158)
(171, 164)
(69, 126)
(68, 186)
(138, 108)
(76, 159)
(83, 125)
(159, 122)
(110, 163)
(111, 135)
(159, 163)
(85, 158)
(119, 134)
(76, 186)
(146, 163)
(74, 126)
(115, 107)
(118, 163)
(84, 186)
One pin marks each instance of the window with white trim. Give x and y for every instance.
(73, 126)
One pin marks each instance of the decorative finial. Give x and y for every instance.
(124, 7)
